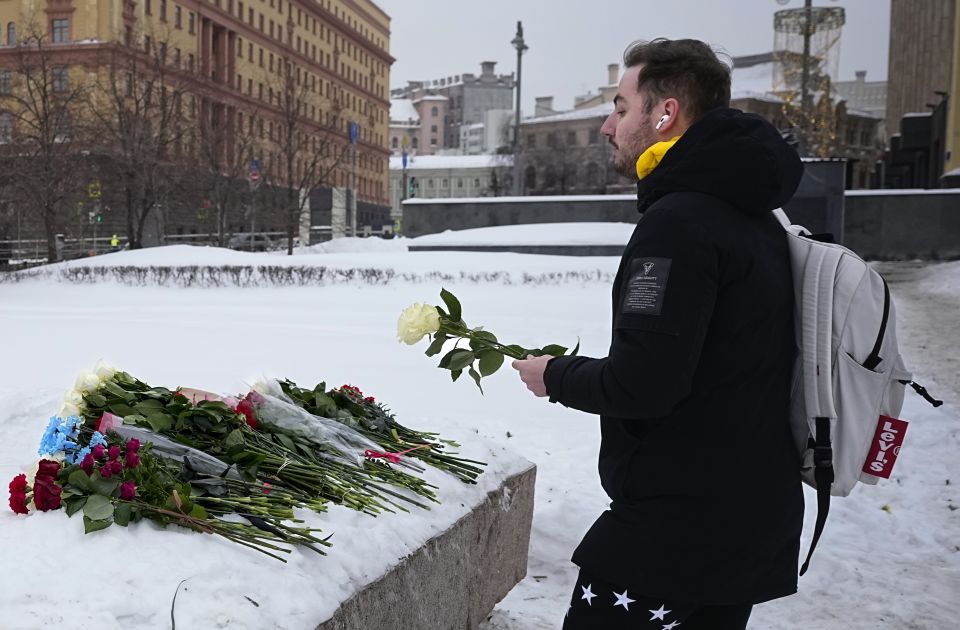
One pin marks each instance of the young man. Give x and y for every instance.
(696, 452)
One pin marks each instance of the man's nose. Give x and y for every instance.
(609, 127)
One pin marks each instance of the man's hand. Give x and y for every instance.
(531, 373)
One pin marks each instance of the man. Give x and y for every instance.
(696, 452)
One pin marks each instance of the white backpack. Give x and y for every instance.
(849, 377)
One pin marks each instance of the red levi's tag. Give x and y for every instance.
(885, 447)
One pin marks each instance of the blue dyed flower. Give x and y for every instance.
(59, 436)
(98, 439)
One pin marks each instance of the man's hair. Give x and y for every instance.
(685, 69)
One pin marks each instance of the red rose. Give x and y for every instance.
(132, 460)
(369, 399)
(105, 471)
(87, 464)
(99, 452)
(115, 466)
(133, 445)
(128, 490)
(113, 452)
(245, 409)
(48, 469)
(46, 494)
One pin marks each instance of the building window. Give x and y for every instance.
(61, 30)
(148, 7)
(434, 111)
(531, 141)
(190, 61)
(178, 16)
(572, 138)
(261, 57)
(61, 79)
(163, 10)
(176, 57)
(11, 34)
(127, 35)
(5, 82)
(476, 183)
(415, 143)
(433, 128)
(147, 44)
(393, 143)
(459, 182)
(594, 136)
(191, 22)
(530, 178)
(6, 127)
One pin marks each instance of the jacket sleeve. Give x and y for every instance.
(659, 325)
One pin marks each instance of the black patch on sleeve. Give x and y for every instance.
(646, 287)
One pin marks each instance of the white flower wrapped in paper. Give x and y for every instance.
(416, 321)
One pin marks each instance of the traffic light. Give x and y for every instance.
(412, 187)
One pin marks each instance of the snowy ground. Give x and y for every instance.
(895, 568)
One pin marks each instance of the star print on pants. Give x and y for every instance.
(671, 626)
(660, 613)
(588, 594)
(623, 600)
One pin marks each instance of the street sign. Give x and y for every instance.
(93, 190)
(254, 171)
(354, 131)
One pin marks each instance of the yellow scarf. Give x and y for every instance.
(650, 158)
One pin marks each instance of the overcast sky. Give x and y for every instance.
(572, 41)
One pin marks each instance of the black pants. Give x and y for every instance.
(597, 605)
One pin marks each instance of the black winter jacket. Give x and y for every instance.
(696, 452)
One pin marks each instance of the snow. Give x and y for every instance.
(895, 568)
(598, 111)
(530, 199)
(446, 162)
(402, 110)
(901, 191)
(756, 79)
(533, 234)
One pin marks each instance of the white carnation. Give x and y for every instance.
(69, 409)
(416, 321)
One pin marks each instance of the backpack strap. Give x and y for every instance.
(823, 475)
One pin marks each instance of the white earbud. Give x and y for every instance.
(663, 120)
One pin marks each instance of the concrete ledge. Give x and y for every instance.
(457, 577)
(550, 250)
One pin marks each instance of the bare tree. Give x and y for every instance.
(303, 151)
(46, 144)
(139, 118)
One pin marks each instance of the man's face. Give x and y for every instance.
(628, 129)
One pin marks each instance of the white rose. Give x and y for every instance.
(87, 382)
(74, 398)
(69, 409)
(104, 370)
(416, 321)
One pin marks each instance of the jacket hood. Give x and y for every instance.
(740, 158)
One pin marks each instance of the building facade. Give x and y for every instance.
(274, 72)
(449, 176)
(469, 97)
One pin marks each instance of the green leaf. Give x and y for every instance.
(74, 505)
(286, 441)
(135, 419)
(476, 378)
(490, 362)
(146, 407)
(576, 349)
(461, 359)
(518, 350)
(445, 361)
(115, 390)
(198, 512)
(553, 350)
(95, 400)
(91, 525)
(159, 422)
(234, 438)
(455, 374)
(104, 487)
(453, 304)
(436, 346)
(121, 514)
(80, 480)
(98, 507)
(121, 410)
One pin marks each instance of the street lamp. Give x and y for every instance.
(520, 46)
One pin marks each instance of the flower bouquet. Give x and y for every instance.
(121, 450)
(484, 354)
